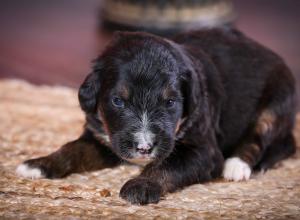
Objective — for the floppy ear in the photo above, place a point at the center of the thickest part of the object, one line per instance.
(196, 104)
(89, 90)
(203, 93)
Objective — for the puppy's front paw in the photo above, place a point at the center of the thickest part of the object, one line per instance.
(36, 168)
(141, 191)
(236, 169)
(27, 171)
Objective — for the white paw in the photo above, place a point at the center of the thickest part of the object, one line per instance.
(236, 169)
(25, 171)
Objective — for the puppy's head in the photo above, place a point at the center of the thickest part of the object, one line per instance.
(138, 90)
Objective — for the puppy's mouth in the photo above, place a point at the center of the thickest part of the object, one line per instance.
(141, 159)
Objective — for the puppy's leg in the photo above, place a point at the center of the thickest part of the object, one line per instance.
(83, 154)
(185, 166)
(269, 128)
(278, 150)
(249, 153)
(273, 124)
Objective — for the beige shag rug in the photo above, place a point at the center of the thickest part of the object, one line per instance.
(36, 120)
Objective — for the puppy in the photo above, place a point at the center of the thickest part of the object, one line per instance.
(189, 109)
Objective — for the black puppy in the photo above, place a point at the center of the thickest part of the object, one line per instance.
(180, 107)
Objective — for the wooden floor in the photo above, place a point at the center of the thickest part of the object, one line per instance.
(53, 41)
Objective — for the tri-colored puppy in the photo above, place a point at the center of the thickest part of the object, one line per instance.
(192, 108)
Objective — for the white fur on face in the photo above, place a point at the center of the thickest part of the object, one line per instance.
(144, 137)
(236, 169)
(25, 171)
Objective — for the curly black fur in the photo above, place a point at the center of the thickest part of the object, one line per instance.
(182, 106)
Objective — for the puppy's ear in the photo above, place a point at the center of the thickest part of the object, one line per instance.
(89, 90)
(188, 74)
(203, 93)
(196, 104)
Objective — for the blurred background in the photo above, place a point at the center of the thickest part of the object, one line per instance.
(53, 41)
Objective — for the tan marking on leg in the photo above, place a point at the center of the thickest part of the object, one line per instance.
(255, 148)
(265, 122)
(250, 153)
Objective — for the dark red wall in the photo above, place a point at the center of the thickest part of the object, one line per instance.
(53, 41)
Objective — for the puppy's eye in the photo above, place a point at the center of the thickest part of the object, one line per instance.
(117, 102)
(170, 103)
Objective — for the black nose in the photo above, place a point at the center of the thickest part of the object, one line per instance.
(144, 149)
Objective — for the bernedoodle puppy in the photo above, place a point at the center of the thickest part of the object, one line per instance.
(199, 106)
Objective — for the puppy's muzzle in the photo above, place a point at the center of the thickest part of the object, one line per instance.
(144, 149)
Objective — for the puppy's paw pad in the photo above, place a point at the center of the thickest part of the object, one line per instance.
(236, 169)
(26, 171)
(141, 191)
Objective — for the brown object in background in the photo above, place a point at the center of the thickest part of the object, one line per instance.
(166, 17)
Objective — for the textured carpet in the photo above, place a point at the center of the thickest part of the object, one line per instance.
(35, 121)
